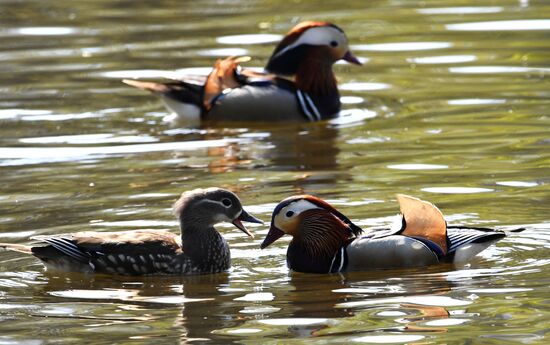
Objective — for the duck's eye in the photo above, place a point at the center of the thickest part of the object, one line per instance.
(333, 44)
(226, 202)
(289, 214)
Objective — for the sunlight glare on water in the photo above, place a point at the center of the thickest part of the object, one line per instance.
(451, 105)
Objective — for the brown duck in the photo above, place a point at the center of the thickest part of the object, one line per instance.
(200, 248)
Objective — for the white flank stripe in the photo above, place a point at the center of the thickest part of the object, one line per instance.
(313, 107)
(332, 262)
(341, 259)
(303, 105)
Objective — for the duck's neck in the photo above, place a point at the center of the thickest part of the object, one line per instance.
(319, 243)
(309, 67)
(301, 258)
(206, 248)
(315, 77)
(316, 254)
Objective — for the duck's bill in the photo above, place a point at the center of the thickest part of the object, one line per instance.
(245, 217)
(273, 235)
(349, 57)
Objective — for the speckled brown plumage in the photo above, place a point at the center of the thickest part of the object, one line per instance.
(200, 249)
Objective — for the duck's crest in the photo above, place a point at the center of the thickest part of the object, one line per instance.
(295, 33)
(286, 58)
(423, 219)
(355, 230)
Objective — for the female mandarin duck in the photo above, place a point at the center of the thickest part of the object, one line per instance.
(200, 249)
(298, 83)
(326, 241)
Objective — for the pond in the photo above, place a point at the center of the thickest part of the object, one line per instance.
(452, 105)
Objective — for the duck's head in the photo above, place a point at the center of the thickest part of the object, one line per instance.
(205, 207)
(310, 43)
(312, 220)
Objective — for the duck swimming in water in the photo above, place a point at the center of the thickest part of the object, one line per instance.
(326, 241)
(200, 248)
(297, 85)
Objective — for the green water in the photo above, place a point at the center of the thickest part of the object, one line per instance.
(451, 105)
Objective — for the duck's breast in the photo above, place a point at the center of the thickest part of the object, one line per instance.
(268, 103)
(388, 252)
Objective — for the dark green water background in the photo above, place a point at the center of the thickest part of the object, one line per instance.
(452, 105)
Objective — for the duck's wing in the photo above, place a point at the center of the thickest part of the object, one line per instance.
(126, 252)
(225, 75)
(466, 242)
(228, 74)
(386, 250)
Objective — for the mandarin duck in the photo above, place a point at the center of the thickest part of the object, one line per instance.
(326, 241)
(200, 248)
(298, 83)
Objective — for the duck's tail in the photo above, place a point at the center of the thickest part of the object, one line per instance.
(179, 90)
(16, 248)
(466, 242)
(180, 97)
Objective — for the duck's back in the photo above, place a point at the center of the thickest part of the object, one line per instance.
(269, 103)
(388, 252)
(127, 252)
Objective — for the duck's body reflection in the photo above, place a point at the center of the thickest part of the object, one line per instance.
(295, 147)
(210, 307)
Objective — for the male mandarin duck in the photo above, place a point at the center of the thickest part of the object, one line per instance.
(298, 83)
(200, 249)
(326, 241)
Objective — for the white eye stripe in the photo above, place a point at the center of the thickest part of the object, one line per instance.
(321, 35)
(214, 202)
(283, 222)
(221, 217)
(300, 206)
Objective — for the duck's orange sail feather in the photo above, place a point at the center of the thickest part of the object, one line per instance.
(423, 219)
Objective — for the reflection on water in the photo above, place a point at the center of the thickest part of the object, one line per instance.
(391, 305)
(504, 25)
(451, 105)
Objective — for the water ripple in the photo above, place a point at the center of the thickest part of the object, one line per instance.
(36, 155)
(355, 86)
(460, 10)
(402, 46)
(87, 139)
(249, 39)
(432, 300)
(497, 69)
(445, 59)
(388, 339)
(44, 31)
(223, 52)
(456, 190)
(475, 101)
(417, 166)
(502, 25)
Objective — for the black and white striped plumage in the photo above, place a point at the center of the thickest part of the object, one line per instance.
(326, 241)
(199, 249)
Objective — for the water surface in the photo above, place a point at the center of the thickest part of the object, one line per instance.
(451, 105)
